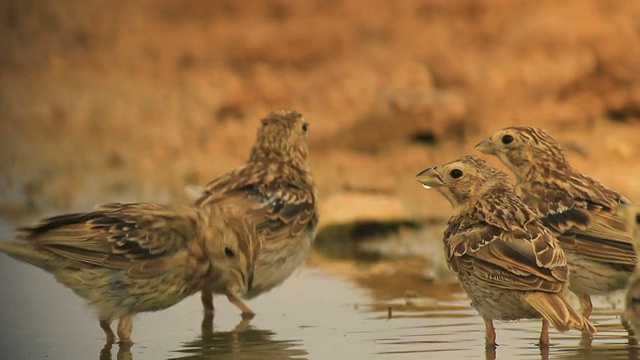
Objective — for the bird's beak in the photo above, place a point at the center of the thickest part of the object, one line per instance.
(250, 282)
(486, 146)
(429, 178)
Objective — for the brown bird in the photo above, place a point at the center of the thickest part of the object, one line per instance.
(130, 258)
(509, 264)
(632, 299)
(580, 211)
(275, 189)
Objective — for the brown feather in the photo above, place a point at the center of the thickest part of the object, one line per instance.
(129, 258)
(559, 312)
(276, 190)
(583, 213)
(510, 265)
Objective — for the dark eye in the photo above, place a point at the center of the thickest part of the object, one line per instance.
(507, 139)
(305, 127)
(455, 173)
(229, 252)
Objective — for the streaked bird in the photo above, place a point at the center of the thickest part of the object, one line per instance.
(124, 259)
(583, 213)
(275, 189)
(632, 297)
(508, 263)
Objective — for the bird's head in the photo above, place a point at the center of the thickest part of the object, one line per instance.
(282, 136)
(462, 179)
(525, 150)
(233, 251)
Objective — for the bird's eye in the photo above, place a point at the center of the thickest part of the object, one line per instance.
(507, 139)
(455, 173)
(229, 252)
(305, 127)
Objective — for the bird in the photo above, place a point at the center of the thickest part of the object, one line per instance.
(583, 213)
(124, 259)
(631, 312)
(509, 264)
(276, 190)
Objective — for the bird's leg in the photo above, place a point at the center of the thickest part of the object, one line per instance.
(206, 295)
(544, 334)
(125, 326)
(235, 300)
(490, 332)
(585, 305)
(242, 325)
(105, 325)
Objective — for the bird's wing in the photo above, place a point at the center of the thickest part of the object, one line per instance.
(132, 237)
(595, 233)
(585, 216)
(280, 203)
(527, 259)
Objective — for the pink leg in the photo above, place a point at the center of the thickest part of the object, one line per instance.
(206, 295)
(235, 300)
(106, 327)
(490, 332)
(125, 326)
(544, 334)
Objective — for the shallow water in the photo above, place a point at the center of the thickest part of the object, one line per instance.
(314, 315)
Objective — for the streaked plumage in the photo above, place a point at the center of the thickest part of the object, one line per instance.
(509, 264)
(130, 258)
(632, 298)
(580, 211)
(275, 189)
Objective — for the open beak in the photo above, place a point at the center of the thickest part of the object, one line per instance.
(250, 282)
(486, 146)
(429, 178)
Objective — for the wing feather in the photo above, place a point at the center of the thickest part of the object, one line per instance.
(133, 237)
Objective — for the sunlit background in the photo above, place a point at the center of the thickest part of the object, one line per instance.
(134, 100)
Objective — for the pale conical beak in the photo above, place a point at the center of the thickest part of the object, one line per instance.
(486, 146)
(429, 178)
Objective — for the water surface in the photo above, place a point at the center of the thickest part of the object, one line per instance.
(314, 315)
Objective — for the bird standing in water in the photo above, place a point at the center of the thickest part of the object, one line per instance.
(275, 189)
(583, 213)
(129, 258)
(509, 264)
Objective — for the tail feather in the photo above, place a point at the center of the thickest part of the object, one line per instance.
(28, 253)
(559, 312)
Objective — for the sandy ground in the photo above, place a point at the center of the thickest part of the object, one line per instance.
(132, 100)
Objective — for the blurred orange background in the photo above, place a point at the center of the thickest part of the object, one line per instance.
(132, 100)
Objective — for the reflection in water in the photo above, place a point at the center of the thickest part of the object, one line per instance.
(454, 330)
(312, 315)
(124, 352)
(244, 342)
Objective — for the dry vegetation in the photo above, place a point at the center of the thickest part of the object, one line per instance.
(131, 100)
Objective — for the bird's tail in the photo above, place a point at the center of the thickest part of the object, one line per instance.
(28, 253)
(559, 312)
